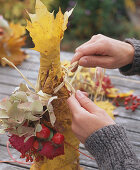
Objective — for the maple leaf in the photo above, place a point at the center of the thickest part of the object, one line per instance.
(11, 43)
(107, 106)
(18, 143)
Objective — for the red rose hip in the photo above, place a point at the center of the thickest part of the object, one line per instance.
(44, 133)
(58, 138)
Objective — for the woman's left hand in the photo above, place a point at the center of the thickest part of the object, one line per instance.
(87, 118)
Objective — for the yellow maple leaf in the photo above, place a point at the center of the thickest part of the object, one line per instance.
(107, 106)
(10, 46)
(17, 30)
(46, 30)
(113, 93)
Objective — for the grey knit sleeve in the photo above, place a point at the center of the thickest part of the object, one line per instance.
(134, 68)
(111, 149)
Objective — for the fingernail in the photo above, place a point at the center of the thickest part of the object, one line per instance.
(80, 94)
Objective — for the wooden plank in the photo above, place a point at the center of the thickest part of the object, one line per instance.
(2, 96)
(4, 156)
(87, 168)
(131, 125)
(122, 112)
(13, 81)
(5, 166)
(29, 66)
(7, 71)
(6, 89)
(125, 82)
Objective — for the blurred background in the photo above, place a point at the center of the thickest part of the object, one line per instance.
(114, 18)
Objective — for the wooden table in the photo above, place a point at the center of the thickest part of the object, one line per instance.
(10, 78)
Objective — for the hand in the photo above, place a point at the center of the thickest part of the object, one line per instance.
(104, 52)
(86, 116)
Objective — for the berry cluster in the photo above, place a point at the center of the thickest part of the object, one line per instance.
(132, 102)
(116, 100)
(47, 142)
(106, 83)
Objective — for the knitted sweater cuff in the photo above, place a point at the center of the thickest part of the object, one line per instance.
(134, 68)
(109, 146)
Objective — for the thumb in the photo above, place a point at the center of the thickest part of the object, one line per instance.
(85, 102)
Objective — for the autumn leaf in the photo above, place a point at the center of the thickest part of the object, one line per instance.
(11, 43)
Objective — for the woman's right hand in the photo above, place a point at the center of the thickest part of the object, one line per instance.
(104, 52)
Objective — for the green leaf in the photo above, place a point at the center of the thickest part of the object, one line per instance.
(51, 135)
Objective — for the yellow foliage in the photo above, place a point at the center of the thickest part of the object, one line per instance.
(107, 106)
(17, 30)
(11, 43)
(130, 4)
(45, 29)
(114, 93)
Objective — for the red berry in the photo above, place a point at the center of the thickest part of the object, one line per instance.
(117, 103)
(118, 96)
(30, 158)
(134, 97)
(44, 133)
(22, 156)
(58, 138)
(27, 159)
(36, 145)
(127, 99)
(127, 107)
(37, 159)
(133, 108)
(138, 100)
(125, 103)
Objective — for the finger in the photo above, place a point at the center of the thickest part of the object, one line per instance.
(85, 102)
(85, 93)
(96, 61)
(91, 49)
(86, 43)
(92, 40)
(76, 57)
(73, 104)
